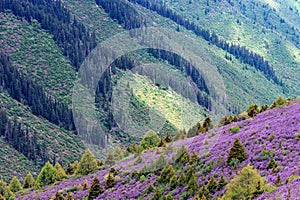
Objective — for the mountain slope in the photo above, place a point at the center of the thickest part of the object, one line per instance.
(271, 134)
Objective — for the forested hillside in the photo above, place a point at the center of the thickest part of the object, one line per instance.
(252, 46)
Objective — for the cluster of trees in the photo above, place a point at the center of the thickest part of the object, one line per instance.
(22, 139)
(240, 52)
(123, 13)
(73, 38)
(200, 129)
(190, 70)
(25, 90)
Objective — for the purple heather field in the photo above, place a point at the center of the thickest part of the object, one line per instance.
(255, 133)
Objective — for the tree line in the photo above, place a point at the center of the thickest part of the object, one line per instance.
(72, 37)
(22, 89)
(128, 21)
(22, 139)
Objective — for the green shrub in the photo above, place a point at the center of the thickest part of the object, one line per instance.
(237, 152)
(151, 139)
(29, 181)
(95, 189)
(15, 185)
(234, 129)
(46, 176)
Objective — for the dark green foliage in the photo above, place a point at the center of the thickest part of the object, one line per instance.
(278, 180)
(21, 88)
(15, 185)
(253, 110)
(73, 38)
(113, 171)
(46, 176)
(204, 192)
(29, 181)
(23, 140)
(192, 186)
(166, 174)
(111, 181)
(95, 189)
(5, 191)
(173, 182)
(237, 152)
(272, 164)
(264, 108)
(162, 143)
(157, 194)
(150, 189)
(168, 137)
(189, 174)
(87, 165)
(278, 102)
(258, 190)
(222, 182)
(182, 155)
(212, 185)
(58, 196)
(181, 181)
(194, 158)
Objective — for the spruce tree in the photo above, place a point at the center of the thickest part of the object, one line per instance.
(29, 181)
(278, 180)
(194, 158)
(272, 164)
(110, 182)
(95, 189)
(181, 180)
(237, 152)
(15, 185)
(182, 155)
(87, 165)
(258, 190)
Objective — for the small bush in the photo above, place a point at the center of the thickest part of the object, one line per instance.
(235, 129)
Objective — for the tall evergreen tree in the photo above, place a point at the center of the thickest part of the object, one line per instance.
(87, 165)
(237, 152)
(95, 189)
(15, 185)
(46, 176)
(29, 181)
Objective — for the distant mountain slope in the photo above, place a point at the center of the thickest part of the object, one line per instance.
(273, 134)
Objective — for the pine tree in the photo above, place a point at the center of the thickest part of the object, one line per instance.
(60, 173)
(192, 186)
(203, 192)
(15, 185)
(181, 180)
(46, 176)
(29, 181)
(194, 158)
(87, 165)
(278, 180)
(157, 194)
(71, 168)
(182, 155)
(272, 164)
(110, 182)
(212, 185)
(95, 189)
(190, 173)
(237, 152)
(166, 174)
